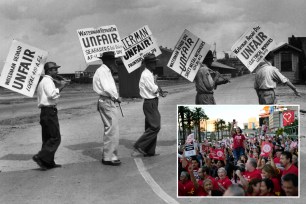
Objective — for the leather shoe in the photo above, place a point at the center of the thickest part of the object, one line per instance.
(151, 155)
(55, 166)
(138, 152)
(112, 163)
(39, 163)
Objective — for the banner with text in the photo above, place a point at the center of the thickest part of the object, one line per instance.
(253, 46)
(95, 41)
(188, 53)
(136, 46)
(22, 68)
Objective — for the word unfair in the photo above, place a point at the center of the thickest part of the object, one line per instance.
(23, 68)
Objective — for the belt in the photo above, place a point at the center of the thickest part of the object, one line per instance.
(271, 89)
(50, 106)
(149, 99)
(205, 93)
(105, 97)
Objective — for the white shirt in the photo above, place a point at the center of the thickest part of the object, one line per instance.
(147, 87)
(267, 77)
(103, 82)
(47, 93)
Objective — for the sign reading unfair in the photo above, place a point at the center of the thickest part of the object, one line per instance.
(95, 41)
(188, 53)
(23, 68)
(253, 46)
(136, 46)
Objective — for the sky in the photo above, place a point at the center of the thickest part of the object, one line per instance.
(241, 113)
(51, 25)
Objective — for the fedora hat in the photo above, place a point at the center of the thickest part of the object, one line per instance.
(107, 55)
(150, 58)
(50, 65)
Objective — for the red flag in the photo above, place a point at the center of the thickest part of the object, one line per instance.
(266, 148)
(219, 154)
(288, 117)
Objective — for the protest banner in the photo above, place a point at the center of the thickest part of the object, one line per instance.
(95, 41)
(288, 118)
(136, 46)
(22, 68)
(190, 146)
(188, 53)
(219, 154)
(253, 46)
(266, 148)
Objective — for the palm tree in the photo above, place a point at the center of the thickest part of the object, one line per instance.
(222, 122)
(217, 127)
(181, 119)
(198, 116)
(188, 116)
(184, 121)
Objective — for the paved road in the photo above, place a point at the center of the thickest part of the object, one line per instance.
(83, 179)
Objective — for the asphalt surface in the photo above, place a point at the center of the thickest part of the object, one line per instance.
(83, 179)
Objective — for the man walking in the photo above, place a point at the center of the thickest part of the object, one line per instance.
(146, 144)
(104, 85)
(47, 95)
(266, 78)
(206, 83)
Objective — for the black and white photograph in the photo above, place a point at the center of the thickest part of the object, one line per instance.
(90, 90)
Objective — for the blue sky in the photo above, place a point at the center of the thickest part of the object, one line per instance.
(51, 24)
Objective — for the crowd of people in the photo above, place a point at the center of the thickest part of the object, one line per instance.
(240, 166)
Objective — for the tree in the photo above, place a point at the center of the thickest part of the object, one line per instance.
(181, 119)
(222, 127)
(198, 115)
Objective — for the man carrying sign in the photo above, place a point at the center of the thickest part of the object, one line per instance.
(104, 84)
(146, 144)
(47, 95)
(266, 78)
(205, 83)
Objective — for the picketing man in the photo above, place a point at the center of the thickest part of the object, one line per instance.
(149, 91)
(206, 80)
(266, 79)
(47, 96)
(104, 85)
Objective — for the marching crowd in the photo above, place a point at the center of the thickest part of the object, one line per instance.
(240, 167)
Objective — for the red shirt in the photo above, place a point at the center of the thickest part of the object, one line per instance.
(276, 160)
(251, 175)
(291, 170)
(238, 140)
(186, 189)
(226, 182)
(277, 186)
(215, 183)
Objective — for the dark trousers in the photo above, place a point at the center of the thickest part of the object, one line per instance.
(266, 96)
(51, 137)
(147, 142)
(237, 153)
(202, 98)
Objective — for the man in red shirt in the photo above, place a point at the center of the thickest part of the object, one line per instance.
(250, 173)
(286, 162)
(185, 186)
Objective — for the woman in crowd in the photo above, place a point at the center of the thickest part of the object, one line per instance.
(254, 187)
(223, 181)
(266, 187)
(269, 172)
